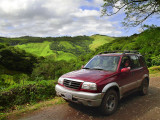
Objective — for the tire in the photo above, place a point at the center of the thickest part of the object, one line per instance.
(144, 87)
(109, 103)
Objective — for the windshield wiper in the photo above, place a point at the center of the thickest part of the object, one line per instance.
(97, 69)
(85, 68)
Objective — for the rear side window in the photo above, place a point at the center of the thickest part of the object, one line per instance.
(134, 62)
(142, 61)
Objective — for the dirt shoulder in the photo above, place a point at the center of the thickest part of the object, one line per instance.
(133, 107)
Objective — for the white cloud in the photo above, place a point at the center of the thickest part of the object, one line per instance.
(53, 18)
(86, 13)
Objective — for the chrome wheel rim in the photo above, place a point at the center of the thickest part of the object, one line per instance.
(110, 103)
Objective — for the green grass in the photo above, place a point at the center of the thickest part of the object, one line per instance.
(65, 56)
(154, 71)
(43, 49)
(66, 44)
(99, 40)
(39, 49)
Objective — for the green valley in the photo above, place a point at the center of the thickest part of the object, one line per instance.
(64, 48)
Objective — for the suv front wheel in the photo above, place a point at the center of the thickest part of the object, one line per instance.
(109, 103)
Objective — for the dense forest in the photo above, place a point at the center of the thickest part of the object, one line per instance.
(146, 43)
(27, 77)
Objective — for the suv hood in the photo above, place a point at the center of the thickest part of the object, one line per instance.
(88, 75)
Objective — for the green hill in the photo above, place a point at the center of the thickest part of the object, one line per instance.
(99, 40)
(39, 49)
(63, 48)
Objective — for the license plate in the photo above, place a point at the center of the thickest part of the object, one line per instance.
(68, 96)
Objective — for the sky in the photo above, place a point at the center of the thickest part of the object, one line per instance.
(52, 18)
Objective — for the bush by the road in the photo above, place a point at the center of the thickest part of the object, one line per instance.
(21, 94)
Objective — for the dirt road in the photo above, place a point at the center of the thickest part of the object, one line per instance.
(133, 107)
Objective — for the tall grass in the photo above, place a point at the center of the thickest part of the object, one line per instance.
(39, 49)
(99, 40)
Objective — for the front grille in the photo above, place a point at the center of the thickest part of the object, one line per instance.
(71, 84)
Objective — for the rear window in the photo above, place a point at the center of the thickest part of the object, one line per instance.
(135, 62)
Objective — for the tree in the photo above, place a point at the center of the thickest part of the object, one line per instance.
(136, 11)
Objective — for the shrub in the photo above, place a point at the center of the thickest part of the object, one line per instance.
(13, 58)
(50, 69)
(19, 94)
(155, 60)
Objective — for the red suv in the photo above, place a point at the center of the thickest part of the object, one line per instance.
(104, 80)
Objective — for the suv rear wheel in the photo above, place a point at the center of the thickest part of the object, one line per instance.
(109, 103)
(144, 87)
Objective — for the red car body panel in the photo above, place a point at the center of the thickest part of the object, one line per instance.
(100, 77)
(89, 75)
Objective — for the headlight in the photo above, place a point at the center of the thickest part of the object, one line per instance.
(60, 80)
(89, 86)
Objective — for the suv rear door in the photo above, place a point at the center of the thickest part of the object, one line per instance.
(136, 69)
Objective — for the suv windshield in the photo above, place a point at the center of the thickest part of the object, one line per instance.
(108, 63)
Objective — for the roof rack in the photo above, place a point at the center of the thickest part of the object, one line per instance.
(119, 51)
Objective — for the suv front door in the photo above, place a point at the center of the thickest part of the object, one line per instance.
(129, 81)
(125, 79)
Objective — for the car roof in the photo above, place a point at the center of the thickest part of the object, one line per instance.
(118, 54)
(110, 54)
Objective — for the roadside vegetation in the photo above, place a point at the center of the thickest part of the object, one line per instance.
(31, 66)
(154, 71)
(30, 107)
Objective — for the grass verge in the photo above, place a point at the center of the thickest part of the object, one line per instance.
(154, 71)
(27, 108)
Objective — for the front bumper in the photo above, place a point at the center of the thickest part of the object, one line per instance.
(86, 98)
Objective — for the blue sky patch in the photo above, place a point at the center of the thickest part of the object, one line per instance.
(89, 0)
(89, 8)
(10, 27)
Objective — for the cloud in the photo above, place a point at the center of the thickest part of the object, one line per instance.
(53, 18)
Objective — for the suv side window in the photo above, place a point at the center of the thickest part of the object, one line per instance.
(142, 61)
(134, 62)
(124, 60)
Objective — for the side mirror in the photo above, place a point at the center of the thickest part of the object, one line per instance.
(125, 70)
(82, 66)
